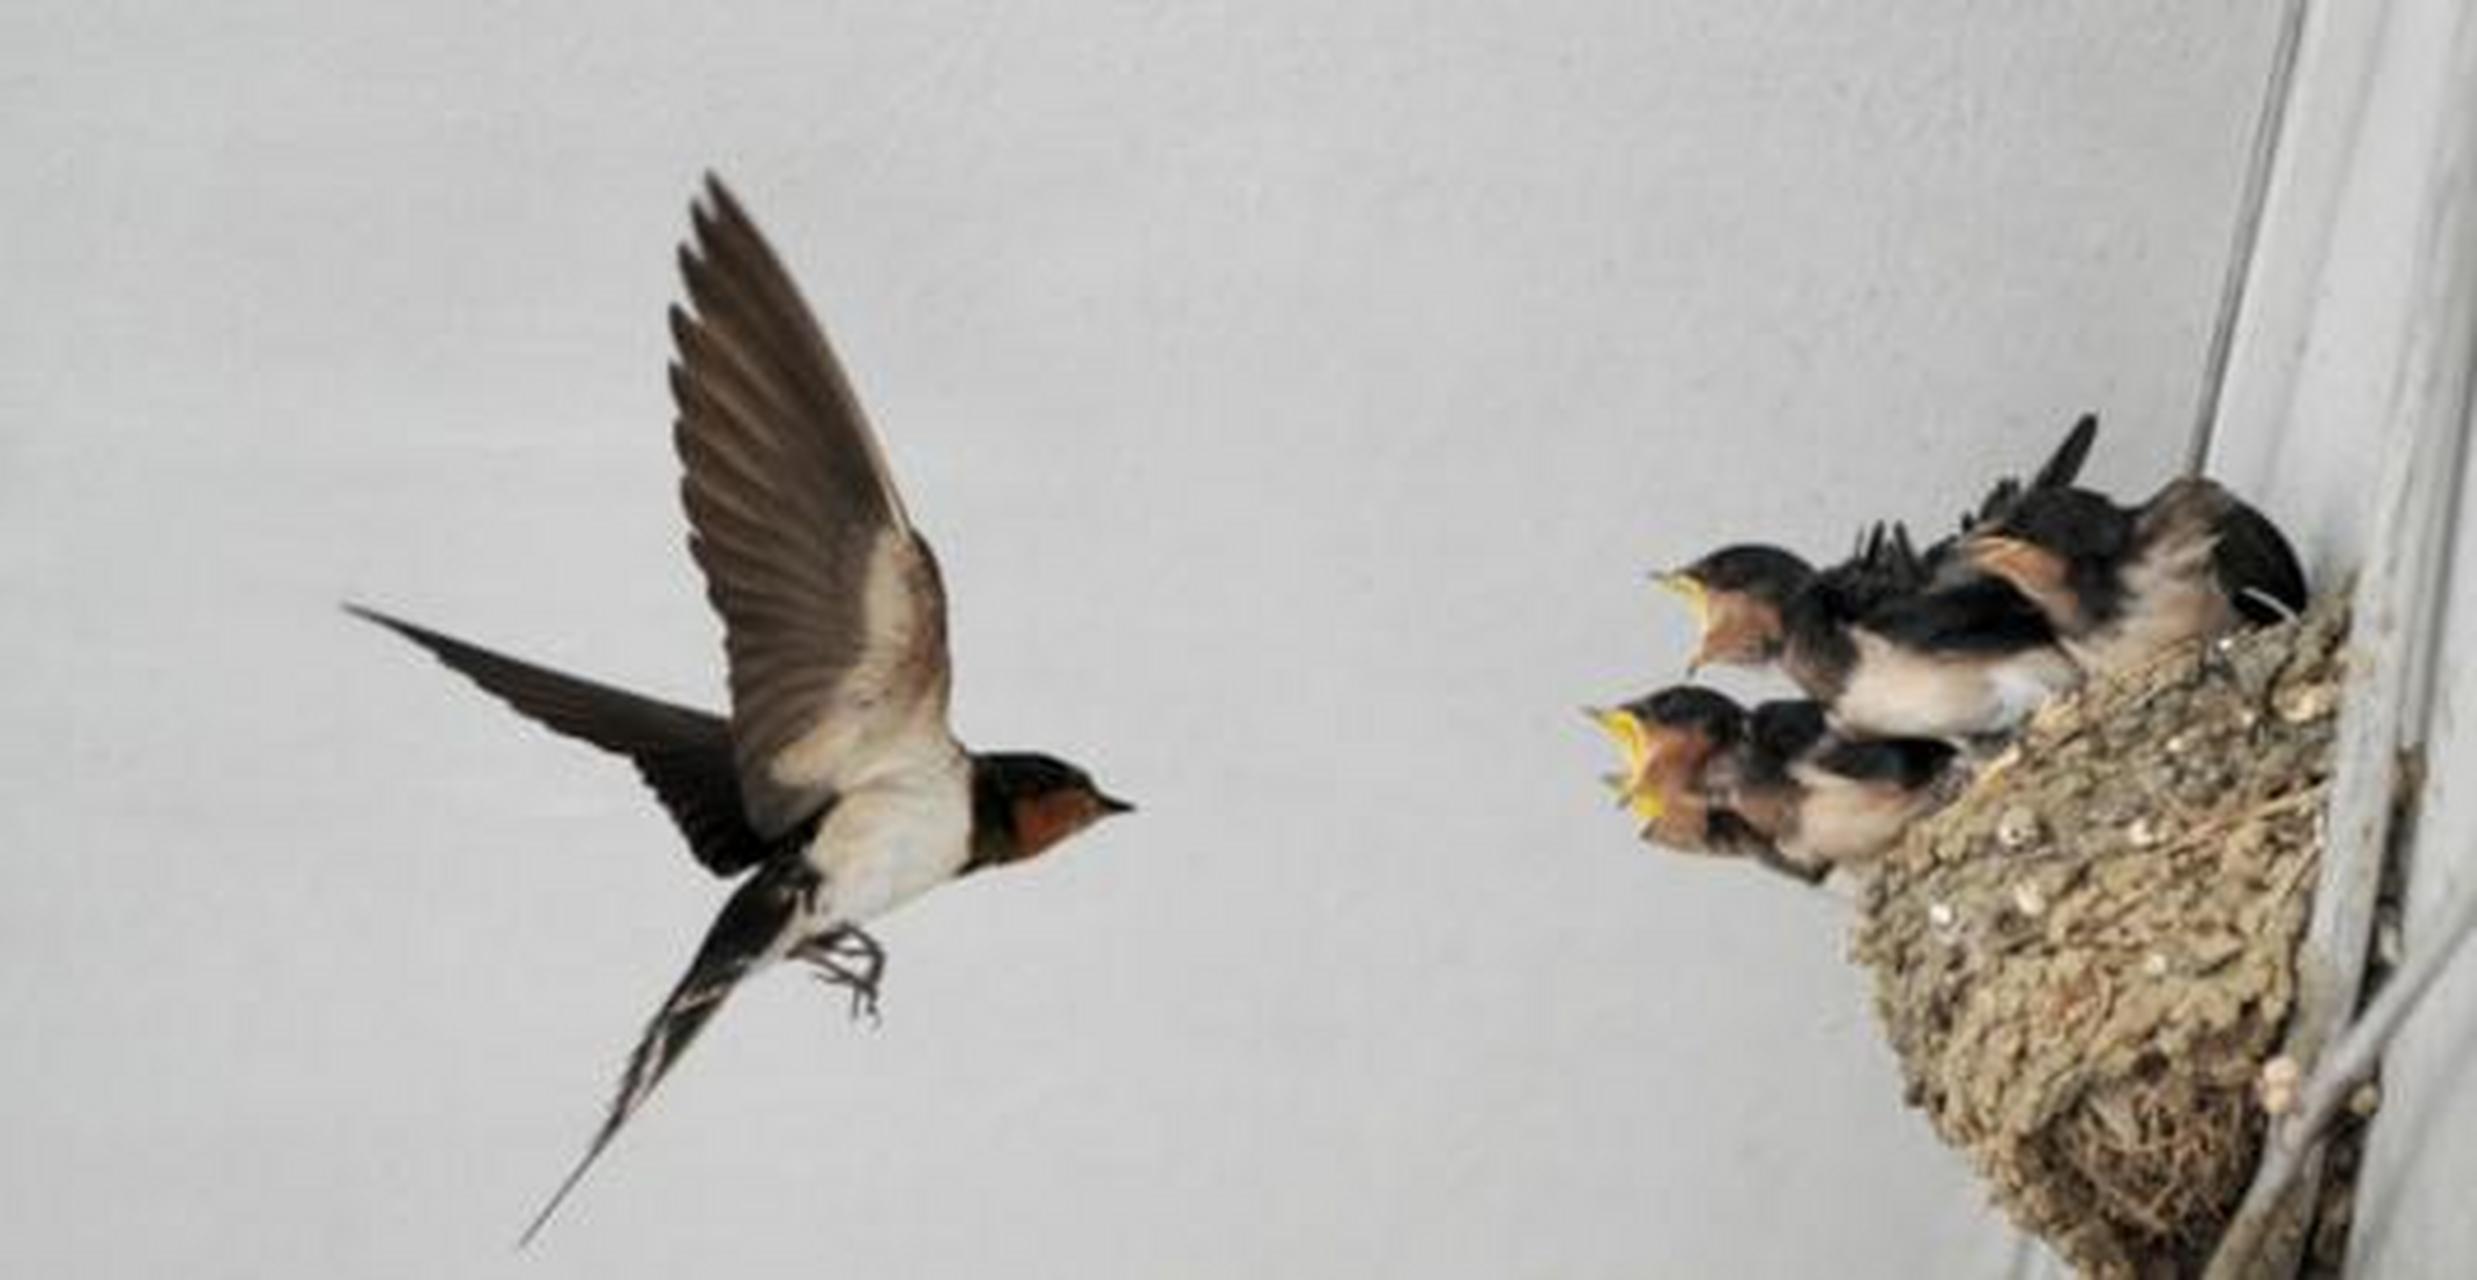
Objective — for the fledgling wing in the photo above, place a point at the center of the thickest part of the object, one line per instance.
(1906, 764)
(1976, 614)
(2060, 470)
(1786, 728)
(1880, 568)
(683, 754)
(2063, 467)
(753, 928)
(834, 617)
(2250, 561)
(2257, 568)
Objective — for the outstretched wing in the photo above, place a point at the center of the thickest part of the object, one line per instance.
(755, 927)
(834, 617)
(682, 753)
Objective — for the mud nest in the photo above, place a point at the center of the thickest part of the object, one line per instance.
(2085, 961)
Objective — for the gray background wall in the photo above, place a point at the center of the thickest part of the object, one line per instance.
(1296, 393)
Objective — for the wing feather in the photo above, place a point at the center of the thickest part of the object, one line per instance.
(833, 612)
(682, 753)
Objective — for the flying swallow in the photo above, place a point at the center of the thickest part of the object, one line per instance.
(2120, 584)
(835, 785)
(1891, 649)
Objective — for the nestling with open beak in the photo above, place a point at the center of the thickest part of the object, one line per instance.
(1887, 652)
(1775, 785)
(1664, 740)
(2121, 584)
(1737, 593)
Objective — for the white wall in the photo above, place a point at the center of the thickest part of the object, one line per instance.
(1296, 393)
(2358, 338)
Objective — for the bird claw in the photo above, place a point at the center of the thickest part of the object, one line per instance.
(862, 987)
(849, 958)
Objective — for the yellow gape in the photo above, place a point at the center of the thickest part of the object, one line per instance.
(1698, 602)
(1635, 788)
(1690, 589)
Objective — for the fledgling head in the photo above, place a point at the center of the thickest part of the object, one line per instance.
(1736, 594)
(1664, 739)
(1026, 802)
(2057, 547)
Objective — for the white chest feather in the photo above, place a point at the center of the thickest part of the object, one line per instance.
(888, 842)
(2171, 596)
(1903, 693)
(1841, 820)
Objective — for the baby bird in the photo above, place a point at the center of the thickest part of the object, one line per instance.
(1665, 739)
(2120, 585)
(1888, 652)
(1894, 641)
(1775, 785)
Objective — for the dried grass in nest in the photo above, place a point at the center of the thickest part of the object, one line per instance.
(2084, 962)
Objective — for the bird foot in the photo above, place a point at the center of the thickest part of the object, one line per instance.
(849, 958)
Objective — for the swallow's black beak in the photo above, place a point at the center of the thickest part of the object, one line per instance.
(1111, 804)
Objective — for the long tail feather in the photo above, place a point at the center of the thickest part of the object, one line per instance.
(753, 928)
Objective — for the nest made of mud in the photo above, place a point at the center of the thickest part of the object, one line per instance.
(2084, 962)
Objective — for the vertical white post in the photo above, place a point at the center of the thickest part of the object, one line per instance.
(2378, 362)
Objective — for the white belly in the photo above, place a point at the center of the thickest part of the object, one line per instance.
(1844, 821)
(1898, 692)
(2160, 613)
(888, 842)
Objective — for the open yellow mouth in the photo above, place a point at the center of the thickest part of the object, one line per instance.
(1698, 600)
(1689, 588)
(1634, 787)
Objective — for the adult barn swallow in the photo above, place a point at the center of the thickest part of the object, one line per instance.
(2120, 584)
(835, 784)
(1889, 651)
